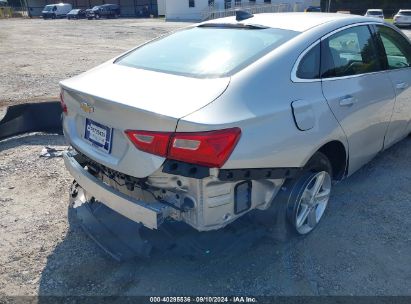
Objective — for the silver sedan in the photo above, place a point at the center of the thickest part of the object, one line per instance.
(243, 113)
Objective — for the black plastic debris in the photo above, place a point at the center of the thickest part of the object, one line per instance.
(31, 117)
(115, 234)
(124, 239)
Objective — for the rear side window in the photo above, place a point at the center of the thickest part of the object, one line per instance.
(212, 51)
(349, 52)
(397, 48)
(309, 67)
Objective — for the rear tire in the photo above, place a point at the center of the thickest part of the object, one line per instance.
(293, 211)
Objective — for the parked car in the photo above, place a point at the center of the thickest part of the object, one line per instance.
(238, 114)
(313, 9)
(403, 18)
(103, 11)
(76, 14)
(376, 13)
(58, 10)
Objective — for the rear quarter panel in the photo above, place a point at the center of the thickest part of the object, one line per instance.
(258, 100)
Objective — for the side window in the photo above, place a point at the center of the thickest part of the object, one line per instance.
(349, 52)
(397, 48)
(309, 67)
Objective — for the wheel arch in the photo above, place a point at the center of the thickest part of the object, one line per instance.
(337, 154)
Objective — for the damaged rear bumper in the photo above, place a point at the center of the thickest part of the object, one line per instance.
(150, 215)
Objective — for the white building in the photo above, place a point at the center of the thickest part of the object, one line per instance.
(161, 6)
(196, 10)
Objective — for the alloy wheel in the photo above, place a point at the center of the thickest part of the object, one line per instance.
(313, 202)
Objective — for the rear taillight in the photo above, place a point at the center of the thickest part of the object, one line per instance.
(63, 104)
(210, 149)
(150, 142)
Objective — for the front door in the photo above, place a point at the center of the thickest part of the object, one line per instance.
(397, 51)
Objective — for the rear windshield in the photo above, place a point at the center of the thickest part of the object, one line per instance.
(374, 13)
(405, 13)
(206, 52)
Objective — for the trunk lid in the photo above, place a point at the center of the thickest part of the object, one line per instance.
(111, 98)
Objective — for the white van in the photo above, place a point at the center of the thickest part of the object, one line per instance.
(58, 10)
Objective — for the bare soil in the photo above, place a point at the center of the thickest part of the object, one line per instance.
(36, 54)
(362, 246)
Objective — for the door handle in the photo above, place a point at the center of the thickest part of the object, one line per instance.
(347, 101)
(401, 86)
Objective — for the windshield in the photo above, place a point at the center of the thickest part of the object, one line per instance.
(408, 13)
(48, 8)
(207, 51)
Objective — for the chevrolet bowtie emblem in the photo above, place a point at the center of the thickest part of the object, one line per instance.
(86, 107)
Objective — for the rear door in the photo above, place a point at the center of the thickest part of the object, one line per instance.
(360, 95)
(397, 56)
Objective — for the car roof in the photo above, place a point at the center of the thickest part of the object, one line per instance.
(374, 10)
(58, 4)
(299, 22)
(405, 10)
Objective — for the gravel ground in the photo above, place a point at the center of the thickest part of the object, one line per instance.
(36, 54)
(362, 246)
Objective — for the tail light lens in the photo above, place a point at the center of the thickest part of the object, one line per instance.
(62, 103)
(211, 149)
(150, 142)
